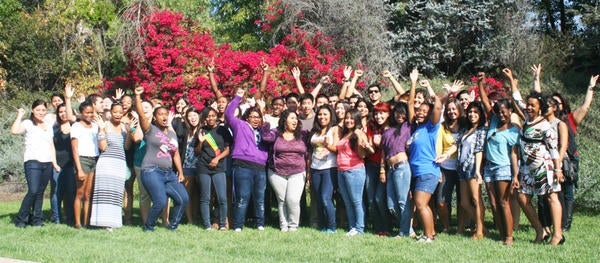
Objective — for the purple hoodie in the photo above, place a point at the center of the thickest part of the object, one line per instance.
(244, 143)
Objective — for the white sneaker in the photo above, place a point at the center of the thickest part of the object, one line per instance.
(238, 230)
(261, 228)
(285, 229)
(424, 239)
(352, 232)
(293, 229)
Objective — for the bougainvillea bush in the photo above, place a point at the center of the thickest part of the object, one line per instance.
(177, 51)
(491, 86)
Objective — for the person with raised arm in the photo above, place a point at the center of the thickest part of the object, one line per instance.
(398, 177)
(249, 157)
(499, 168)
(540, 173)
(111, 170)
(422, 155)
(397, 87)
(573, 119)
(39, 161)
(158, 176)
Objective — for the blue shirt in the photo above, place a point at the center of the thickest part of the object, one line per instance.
(499, 143)
(421, 150)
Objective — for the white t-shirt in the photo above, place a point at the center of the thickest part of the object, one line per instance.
(38, 142)
(87, 139)
(322, 158)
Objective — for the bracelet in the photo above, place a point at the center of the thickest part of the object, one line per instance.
(557, 170)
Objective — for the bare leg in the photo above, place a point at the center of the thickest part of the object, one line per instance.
(494, 204)
(503, 189)
(475, 190)
(525, 202)
(556, 211)
(422, 202)
(87, 197)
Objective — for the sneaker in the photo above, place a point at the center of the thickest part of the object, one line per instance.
(261, 228)
(352, 232)
(109, 229)
(208, 229)
(223, 229)
(238, 230)
(330, 231)
(293, 229)
(285, 229)
(424, 239)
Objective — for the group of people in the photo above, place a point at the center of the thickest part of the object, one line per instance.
(385, 163)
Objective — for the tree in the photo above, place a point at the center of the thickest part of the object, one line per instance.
(235, 23)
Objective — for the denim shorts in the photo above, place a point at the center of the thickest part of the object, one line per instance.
(495, 173)
(426, 183)
(88, 164)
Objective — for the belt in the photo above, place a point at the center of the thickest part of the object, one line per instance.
(398, 164)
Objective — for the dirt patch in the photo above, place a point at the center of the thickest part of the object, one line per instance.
(12, 191)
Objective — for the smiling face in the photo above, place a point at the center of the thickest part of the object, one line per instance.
(291, 104)
(452, 111)
(374, 94)
(56, 100)
(193, 118)
(419, 100)
(307, 107)
(62, 113)
(422, 113)
(211, 119)
(39, 112)
(254, 119)
(363, 109)
(126, 101)
(147, 107)
(532, 108)
(116, 113)
(340, 111)
(324, 117)
(464, 100)
(277, 107)
(180, 106)
(381, 117)
(87, 114)
(349, 122)
(504, 114)
(474, 116)
(333, 99)
(291, 122)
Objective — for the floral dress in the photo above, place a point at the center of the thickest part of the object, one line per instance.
(538, 145)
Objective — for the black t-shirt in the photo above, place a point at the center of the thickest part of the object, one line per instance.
(62, 147)
(215, 140)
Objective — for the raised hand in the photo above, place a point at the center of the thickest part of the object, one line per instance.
(171, 117)
(20, 112)
(425, 83)
(139, 90)
(593, 82)
(100, 122)
(240, 92)
(261, 103)
(296, 73)
(201, 136)
(118, 94)
(347, 72)
(211, 65)
(325, 80)
(508, 73)
(414, 76)
(537, 70)
(134, 121)
(386, 74)
(263, 65)
(69, 91)
(480, 78)
(358, 73)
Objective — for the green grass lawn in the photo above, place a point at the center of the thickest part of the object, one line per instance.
(60, 243)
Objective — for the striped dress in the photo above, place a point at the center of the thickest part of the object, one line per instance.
(109, 182)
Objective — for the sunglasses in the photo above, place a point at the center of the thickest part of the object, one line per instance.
(373, 91)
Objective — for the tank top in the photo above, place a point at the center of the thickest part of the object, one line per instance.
(347, 158)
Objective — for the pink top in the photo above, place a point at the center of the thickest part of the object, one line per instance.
(347, 158)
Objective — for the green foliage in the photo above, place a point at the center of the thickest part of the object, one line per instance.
(235, 23)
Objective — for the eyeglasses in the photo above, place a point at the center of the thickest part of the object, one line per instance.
(373, 91)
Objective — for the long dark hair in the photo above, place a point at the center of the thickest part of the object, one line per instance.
(566, 107)
(58, 120)
(332, 121)
(482, 119)
(401, 107)
(281, 127)
(187, 124)
(355, 114)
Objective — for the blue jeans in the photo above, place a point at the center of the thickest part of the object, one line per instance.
(37, 175)
(159, 183)
(398, 188)
(248, 184)
(322, 185)
(204, 184)
(352, 183)
(63, 191)
(377, 210)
